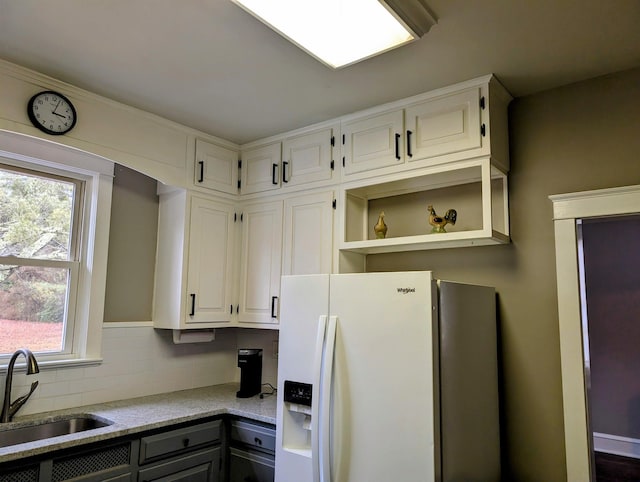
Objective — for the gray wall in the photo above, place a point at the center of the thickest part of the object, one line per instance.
(580, 137)
(132, 247)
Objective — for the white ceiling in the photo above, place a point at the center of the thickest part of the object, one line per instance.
(209, 65)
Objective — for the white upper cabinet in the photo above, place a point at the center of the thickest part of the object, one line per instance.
(211, 253)
(308, 233)
(444, 125)
(261, 168)
(308, 158)
(303, 159)
(216, 167)
(373, 142)
(194, 262)
(465, 121)
(260, 263)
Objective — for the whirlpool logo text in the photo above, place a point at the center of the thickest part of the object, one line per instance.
(404, 291)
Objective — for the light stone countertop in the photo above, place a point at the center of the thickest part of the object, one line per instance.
(141, 414)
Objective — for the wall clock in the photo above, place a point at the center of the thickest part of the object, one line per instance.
(52, 112)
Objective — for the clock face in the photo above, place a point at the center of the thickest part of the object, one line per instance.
(52, 113)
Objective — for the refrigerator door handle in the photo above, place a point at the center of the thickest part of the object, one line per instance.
(326, 390)
(315, 409)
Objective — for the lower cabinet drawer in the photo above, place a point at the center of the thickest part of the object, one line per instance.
(174, 441)
(247, 466)
(253, 435)
(201, 466)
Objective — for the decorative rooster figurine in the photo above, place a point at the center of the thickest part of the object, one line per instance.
(438, 222)
(380, 228)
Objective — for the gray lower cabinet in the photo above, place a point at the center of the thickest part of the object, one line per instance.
(186, 454)
(108, 462)
(251, 451)
(221, 450)
(29, 473)
(201, 466)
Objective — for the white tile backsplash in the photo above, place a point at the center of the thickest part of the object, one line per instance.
(137, 361)
(140, 361)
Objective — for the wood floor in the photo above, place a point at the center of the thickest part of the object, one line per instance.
(614, 468)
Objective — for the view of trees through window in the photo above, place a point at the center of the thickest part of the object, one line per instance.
(36, 217)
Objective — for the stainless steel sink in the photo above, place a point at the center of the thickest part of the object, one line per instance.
(22, 433)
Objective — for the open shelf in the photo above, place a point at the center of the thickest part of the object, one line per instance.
(476, 189)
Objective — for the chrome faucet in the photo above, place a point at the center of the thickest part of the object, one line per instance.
(9, 408)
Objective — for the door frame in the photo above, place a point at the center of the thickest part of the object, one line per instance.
(567, 209)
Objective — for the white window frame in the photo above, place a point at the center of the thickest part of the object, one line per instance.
(97, 174)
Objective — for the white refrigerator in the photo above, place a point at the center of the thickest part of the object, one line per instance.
(386, 377)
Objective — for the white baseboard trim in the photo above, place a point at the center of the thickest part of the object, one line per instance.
(616, 445)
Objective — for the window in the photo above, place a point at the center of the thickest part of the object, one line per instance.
(38, 259)
(54, 229)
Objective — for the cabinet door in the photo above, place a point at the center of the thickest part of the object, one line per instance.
(261, 170)
(308, 234)
(373, 142)
(260, 263)
(444, 125)
(202, 466)
(245, 466)
(210, 262)
(307, 158)
(216, 167)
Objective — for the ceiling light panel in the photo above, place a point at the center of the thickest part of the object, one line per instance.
(336, 32)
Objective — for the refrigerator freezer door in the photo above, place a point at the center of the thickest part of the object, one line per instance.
(382, 420)
(305, 302)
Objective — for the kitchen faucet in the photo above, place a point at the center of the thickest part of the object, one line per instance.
(9, 409)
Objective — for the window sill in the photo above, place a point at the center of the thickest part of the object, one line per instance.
(54, 364)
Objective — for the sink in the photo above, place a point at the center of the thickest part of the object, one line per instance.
(51, 428)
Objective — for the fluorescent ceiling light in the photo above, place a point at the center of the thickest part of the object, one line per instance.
(342, 32)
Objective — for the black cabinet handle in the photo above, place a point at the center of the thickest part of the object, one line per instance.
(273, 306)
(273, 174)
(409, 153)
(201, 164)
(398, 146)
(284, 171)
(193, 304)
(257, 441)
(185, 442)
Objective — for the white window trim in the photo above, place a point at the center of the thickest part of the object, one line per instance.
(27, 151)
(567, 209)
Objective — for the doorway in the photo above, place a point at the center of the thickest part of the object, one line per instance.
(609, 266)
(568, 210)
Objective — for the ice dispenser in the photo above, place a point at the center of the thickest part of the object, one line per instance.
(250, 363)
(297, 418)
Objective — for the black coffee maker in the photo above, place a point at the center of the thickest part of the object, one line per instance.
(250, 363)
